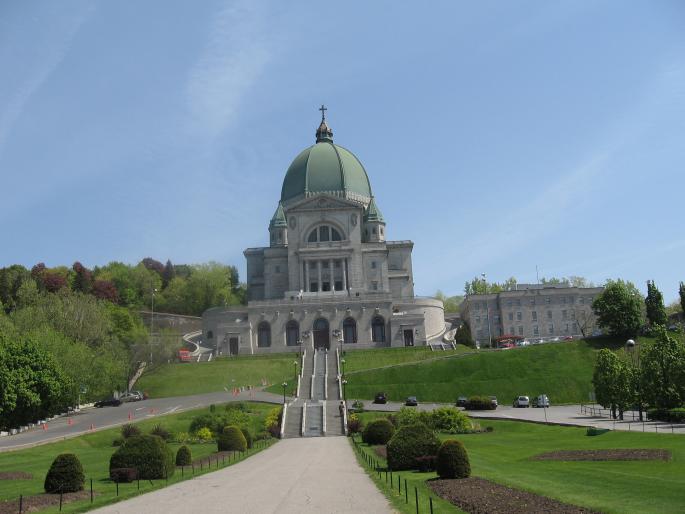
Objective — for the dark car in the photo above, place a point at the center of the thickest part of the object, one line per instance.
(411, 401)
(380, 398)
(462, 401)
(108, 402)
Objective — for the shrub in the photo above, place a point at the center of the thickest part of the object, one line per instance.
(240, 406)
(118, 441)
(123, 475)
(593, 431)
(129, 430)
(451, 420)
(354, 424)
(183, 456)
(204, 435)
(378, 432)
(162, 432)
(408, 443)
(202, 421)
(426, 463)
(212, 408)
(489, 429)
(479, 403)
(182, 437)
(149, 454)
(452, 460)
(248, 436)
(273, 421)
(234, 416)
(358, 406)
(408, 416)
(65, 475)
(230, 439)
(676, 415)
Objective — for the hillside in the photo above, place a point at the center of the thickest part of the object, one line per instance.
(563, 371)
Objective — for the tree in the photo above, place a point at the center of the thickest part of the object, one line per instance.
(482, 286)
(463, 335)
(663, 372)
(153, 265)
(83, 278)
(619, 308)
(656, 312)
(105, 290)
(450, 303)
(612, 381)
(681, 292)
(168, 274)
(53, 281)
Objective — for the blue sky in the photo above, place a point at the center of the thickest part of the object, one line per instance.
(497, 135)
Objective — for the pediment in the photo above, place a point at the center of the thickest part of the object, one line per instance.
(322, 202)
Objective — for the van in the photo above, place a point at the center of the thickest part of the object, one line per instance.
(541, 401)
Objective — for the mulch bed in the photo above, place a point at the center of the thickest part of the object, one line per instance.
(15, 475)
(480, 496)
(40, 502)
(605, 455)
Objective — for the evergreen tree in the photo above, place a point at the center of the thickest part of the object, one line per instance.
(463, 335)
(681, 290)
(168, 274)
(656, 311)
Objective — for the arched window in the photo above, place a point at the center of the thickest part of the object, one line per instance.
(323, 234)
(378, 329)
(264, 334)
(292, 333)
(349, 331)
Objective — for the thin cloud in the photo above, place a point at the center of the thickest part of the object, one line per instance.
(234, 57)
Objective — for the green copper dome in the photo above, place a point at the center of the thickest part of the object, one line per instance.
(326, 168)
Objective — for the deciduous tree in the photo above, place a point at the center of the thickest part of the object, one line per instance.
(654, 303)
(619, 308)
(663, 371)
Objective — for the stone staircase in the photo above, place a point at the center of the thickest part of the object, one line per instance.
(293, 420)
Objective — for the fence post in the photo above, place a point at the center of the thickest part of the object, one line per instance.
(139, 484)
(399, 485)
(21, 503)
(416, 496)
(60, 499)
(117, 482)
(91, 490)
(430, 500)
(406, 492)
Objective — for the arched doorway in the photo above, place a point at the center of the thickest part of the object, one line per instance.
(378, 329)
(292, 333)
(264, 335)
(321, 334)
(349, 331)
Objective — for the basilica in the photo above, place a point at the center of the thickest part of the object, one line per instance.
(328, 277)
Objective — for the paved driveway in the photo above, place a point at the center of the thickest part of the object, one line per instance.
(315, 474)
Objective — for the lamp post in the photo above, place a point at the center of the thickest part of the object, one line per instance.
(152, 321)
(487, 309)
(284, 384)
(634, 351)
(295, 364)
(344, 384)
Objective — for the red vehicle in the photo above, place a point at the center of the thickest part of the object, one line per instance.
(184, 356)
(506, 346)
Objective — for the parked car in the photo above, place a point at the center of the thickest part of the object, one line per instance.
(568, 338)
(462, 401)
(380, 398)
(130, 397)
(108, 402)
(541, 401)
(521, 401)
(506, 346)
(493, 402)
(523, 343)
(411, 401)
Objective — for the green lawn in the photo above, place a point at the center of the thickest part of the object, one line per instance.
(360, 360)
(638, 486)
(563, 371)
(182, 379)
(94, 451)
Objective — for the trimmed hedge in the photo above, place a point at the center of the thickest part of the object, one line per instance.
(249, 440)
(452, 460)
(123, 475)
(65, 475)
(231, 439)
(676, 415)
(409, 443)
(183, 456)
(378, 432)
(148, 454)
(479, 403)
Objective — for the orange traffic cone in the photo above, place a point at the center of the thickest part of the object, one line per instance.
(45, 426)
(129, 416)
(70, 422)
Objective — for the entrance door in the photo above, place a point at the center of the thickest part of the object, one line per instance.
(321, 334)
(233, 346)
(408, 337)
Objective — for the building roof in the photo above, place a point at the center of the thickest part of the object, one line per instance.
(326, 168)
(373, 213)
(278, 219)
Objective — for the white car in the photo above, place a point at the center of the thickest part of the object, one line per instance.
(521, 401)
(541, 401)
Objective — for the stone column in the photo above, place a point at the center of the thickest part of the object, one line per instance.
(318, 269)
(331, 273)
(301, 274)
(306, 275)
(343, 265)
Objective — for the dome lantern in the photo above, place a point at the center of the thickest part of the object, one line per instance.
(324, 133)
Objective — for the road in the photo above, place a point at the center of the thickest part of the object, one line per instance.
(91, 419)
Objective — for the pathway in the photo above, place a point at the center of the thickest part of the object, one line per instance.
(318, 474)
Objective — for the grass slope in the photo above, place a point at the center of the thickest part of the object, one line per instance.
(94, 451)
(638, 486)
(360, 360)
(182, 379)
(563, 371)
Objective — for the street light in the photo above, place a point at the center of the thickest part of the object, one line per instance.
(295, 364)
(152, 321)
(634, 351)
(284, 384)
(344, 384)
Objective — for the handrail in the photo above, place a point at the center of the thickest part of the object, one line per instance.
(304, 354)
(323, 416)
(311, 389)
(325, 377)
(344, 418)
(304, 417)
(285, 408)
(298, 385)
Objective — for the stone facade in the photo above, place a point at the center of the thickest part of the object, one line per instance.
(532, 311)
(328, 276)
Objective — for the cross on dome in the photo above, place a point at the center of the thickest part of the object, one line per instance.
(324, 133)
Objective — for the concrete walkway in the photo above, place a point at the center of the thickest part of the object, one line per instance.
(317, 474)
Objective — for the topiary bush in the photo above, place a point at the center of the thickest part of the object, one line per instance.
(230, 439)
(204, 435)
(408, 443)
(148, 454)
(452, 460)
(129, 430)
(183, 456)
(162, 432)
(450, 420)
(65, 475)
(248, 436)
(123, 475)
(426, 463)
(378, 431)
